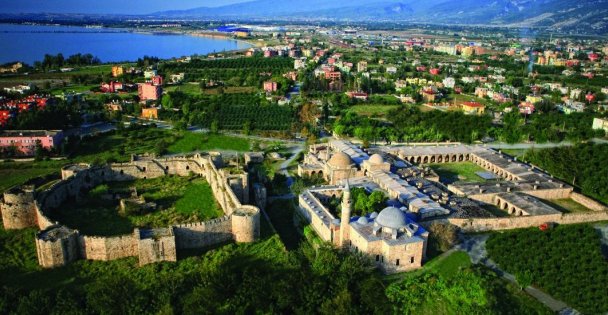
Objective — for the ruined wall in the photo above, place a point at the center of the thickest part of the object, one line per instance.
(588, 202)
(549, 194)
(203, 234)
(108, 248)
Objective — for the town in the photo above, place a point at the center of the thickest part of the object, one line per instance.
(331, 168)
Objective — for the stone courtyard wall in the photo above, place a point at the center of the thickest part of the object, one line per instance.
(108, 248)
(588, 202)
(203, 234)
(509, 223)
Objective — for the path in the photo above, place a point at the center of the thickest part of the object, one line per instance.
(295, 151)
(475, 246)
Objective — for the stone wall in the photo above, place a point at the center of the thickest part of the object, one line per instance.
(57, 251)
(509, 223)
(108, 248)
(203, 234)
(18, 209)
(588, 202)
(158, 246)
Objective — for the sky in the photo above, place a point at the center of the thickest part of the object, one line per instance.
(105, 6)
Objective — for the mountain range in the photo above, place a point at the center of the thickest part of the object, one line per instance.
(581, 16)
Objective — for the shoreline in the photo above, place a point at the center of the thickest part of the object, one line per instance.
(152, 32)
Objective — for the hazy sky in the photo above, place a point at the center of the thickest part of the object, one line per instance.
(105, 6)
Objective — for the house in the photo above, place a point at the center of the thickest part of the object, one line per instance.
(449, 82)
(362, 66)
(149, 74)
(149, 113)
(270, 86)
(357, 95)
(157, 80)
(117, 71)
(112, 87)
(25, 141)
(473, 108)
(149, 92)
(435, 71)
(600, 124)
(177, 78)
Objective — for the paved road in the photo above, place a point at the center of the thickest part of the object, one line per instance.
(475, 246)
(295, 151)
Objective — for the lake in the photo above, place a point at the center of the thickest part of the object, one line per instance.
(29, 43)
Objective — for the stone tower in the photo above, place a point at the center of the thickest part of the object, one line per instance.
(345, 215)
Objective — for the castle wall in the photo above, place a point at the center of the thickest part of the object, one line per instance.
(549, 194)
(108, 248)
(203, 234)
(157, 248)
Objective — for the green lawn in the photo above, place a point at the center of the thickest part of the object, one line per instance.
(373, 110)
(458, 172)
(189, 88)
(179, 200)
(202, 142)
(566, 205)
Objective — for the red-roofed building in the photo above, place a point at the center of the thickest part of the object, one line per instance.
(526, 108)
(157, 80)
(357, 95)
(111, 87)
(435, 71)
(270, 86)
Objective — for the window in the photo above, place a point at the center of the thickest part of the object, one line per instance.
(377, 257)
(411, 260)
(397, 262)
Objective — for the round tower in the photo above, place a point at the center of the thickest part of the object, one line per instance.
(345, 215)
(18, 208)
(246, 224)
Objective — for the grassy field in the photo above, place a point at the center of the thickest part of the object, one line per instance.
(458, 172)
(459, 98)
(189, 88)
(372, 110)
(12, 173)
(567, 205)
(179, 200)
(231, 90)
(201, 142)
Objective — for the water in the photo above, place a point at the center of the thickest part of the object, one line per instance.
(29, 43)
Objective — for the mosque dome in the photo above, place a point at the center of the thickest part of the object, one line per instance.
(340, 159)
(373, 215)
(376, 159)
(392, 217)
(362, 221)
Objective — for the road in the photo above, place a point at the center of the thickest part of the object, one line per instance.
(475, 246)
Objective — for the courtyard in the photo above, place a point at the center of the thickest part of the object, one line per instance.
(450, 173)
(160, 202)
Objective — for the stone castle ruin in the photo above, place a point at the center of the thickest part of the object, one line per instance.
(58, 245)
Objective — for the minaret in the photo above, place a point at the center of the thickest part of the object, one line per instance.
(345, 216)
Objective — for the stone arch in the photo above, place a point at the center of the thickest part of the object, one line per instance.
(505, 206)
(453, 158)
(313, 173)
(418, 160)
(440, 159)
(425, 160)
(143, 169)
(166, 167)
(187, 167)
(320, 173)
(433, 159)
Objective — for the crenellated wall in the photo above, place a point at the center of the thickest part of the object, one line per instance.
(58, 245)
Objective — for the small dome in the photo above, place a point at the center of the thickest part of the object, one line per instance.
(376, 159)
(362, 221)
(373, 215)
(340, 159)
(392, 217)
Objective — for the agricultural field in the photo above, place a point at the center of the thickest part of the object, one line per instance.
(566, 262)
(372, 110)
(190, 142)
(178, 200)
(458, 172)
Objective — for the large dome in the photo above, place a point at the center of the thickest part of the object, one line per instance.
(340, 159)
(376, 159)
(392, 217)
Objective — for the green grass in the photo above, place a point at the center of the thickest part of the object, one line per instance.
(189, 88)
(518, 153)
(179, 200)
(17, 173)
(202, 142)
(372, 110)
(467, 98)
(567, 205)
(458, 172)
